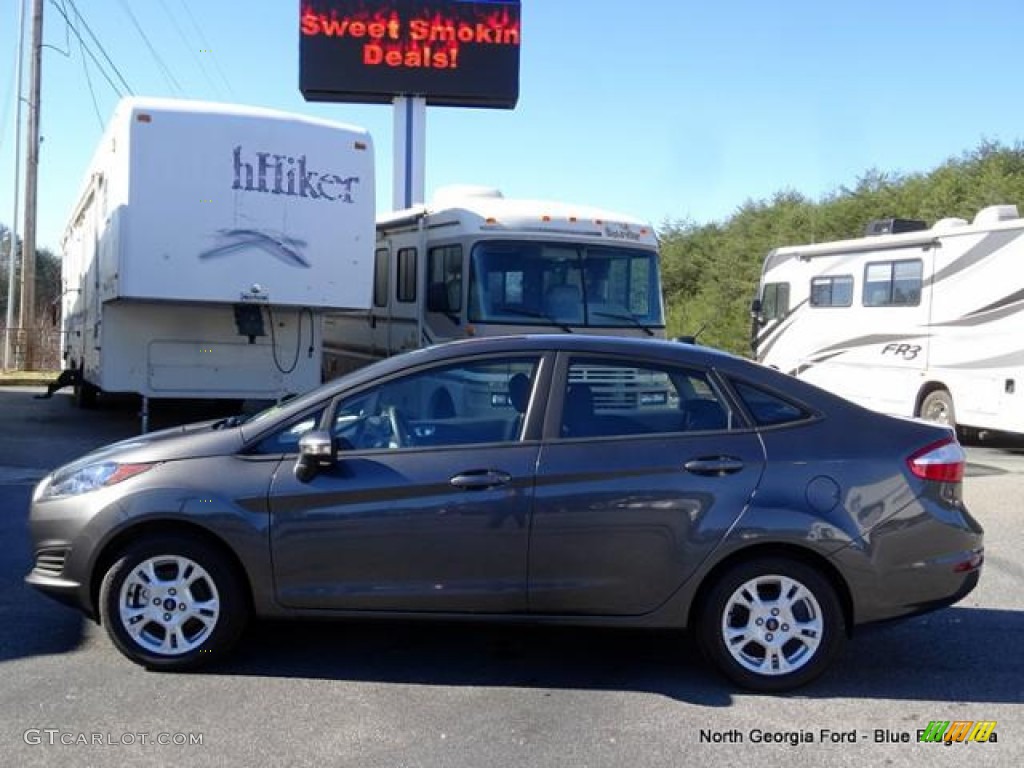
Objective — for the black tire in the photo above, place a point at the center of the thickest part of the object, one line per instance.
(937, 406)
(807, 631)
(201, 634)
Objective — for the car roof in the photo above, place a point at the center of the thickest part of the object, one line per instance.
(574, 342)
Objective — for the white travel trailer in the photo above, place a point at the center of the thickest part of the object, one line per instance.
(474, 263)
(913, 321)
(207, 244)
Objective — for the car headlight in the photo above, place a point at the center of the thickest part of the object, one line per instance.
(75, 480)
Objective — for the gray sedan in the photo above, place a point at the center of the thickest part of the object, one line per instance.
(564, 479)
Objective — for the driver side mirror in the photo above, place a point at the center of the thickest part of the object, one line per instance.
(316, 452)
(756, 309)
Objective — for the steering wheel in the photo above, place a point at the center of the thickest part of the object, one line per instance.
(399, 426)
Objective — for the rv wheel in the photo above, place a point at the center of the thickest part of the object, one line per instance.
(938, 406)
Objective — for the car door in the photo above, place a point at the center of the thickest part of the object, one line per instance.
(427, 506)
(644, 468)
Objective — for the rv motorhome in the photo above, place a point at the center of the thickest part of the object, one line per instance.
(474, 263)
(915, 321)
(207, 244)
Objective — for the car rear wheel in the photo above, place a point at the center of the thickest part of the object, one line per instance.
(172, 603)
(771, 624)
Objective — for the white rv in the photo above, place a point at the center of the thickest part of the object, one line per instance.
(914, 321)
(207, 244)
(474, 263)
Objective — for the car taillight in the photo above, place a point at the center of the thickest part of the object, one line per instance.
(943, 461)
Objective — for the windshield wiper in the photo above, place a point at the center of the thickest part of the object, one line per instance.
(229, 421)
(630, 318)
(536, 314)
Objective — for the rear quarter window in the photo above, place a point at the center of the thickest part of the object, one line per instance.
(768, 408)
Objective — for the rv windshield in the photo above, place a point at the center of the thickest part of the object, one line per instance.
(566, 284)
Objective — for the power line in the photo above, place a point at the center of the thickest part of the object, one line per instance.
(88, 50)
(189, 47)
(207, 47)
(81, 18)
(171, 80)
(88, 80)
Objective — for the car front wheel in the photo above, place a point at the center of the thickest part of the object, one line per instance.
(172, 603)
(771, 624)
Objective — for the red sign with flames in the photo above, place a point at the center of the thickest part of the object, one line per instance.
(455, 53)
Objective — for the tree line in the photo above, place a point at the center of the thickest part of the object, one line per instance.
(710, 271)
(48, 287)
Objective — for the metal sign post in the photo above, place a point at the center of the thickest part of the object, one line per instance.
(410, 132)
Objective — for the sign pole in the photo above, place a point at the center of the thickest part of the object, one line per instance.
(409, 151)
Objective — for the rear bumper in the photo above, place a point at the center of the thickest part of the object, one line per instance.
(919, 587)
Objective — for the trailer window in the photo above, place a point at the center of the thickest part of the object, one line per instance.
(893, 283)
(406, 287)
(832, 291)
(775, 300)
(380, 278)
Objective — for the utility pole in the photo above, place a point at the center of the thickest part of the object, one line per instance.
(28, 258)
(12, 263)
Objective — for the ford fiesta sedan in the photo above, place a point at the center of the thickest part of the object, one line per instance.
(564, 479)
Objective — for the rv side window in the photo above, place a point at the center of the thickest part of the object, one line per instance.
(444, 278)
(405, 290)
(775, 300)
(893, 283)
(832, 291)
(380, 278)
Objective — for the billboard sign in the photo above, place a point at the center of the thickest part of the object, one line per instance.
(452, 52)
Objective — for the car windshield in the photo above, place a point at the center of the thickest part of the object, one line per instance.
(544, 283)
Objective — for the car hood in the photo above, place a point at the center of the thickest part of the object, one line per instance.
(190, 441)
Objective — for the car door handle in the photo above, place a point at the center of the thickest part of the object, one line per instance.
(715, 466)
(478, 480)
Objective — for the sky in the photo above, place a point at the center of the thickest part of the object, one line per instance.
(668, 110)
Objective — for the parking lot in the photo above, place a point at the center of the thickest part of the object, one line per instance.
(408, 694)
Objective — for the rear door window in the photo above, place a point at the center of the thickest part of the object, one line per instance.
(609, 398)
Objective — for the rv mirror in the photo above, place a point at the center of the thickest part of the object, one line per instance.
(316, 452)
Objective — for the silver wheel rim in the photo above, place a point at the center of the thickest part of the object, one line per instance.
(772, 625)
(938, 411)
(169, 605)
